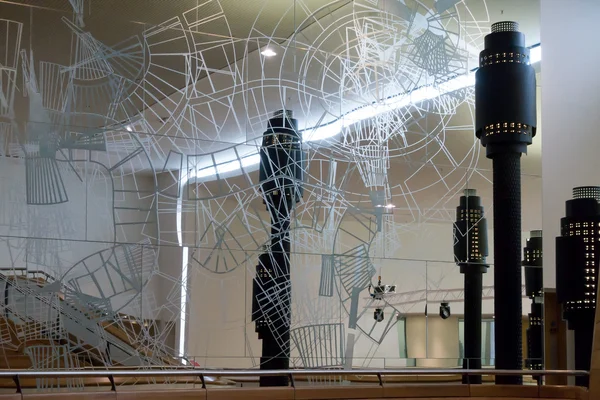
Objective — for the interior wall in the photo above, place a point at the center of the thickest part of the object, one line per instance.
(570, 95)
(433, 341)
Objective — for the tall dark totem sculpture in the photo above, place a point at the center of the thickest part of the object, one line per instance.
(577, 264)
(533, 263)
(470, 251)
(506, 123)
(281, 173)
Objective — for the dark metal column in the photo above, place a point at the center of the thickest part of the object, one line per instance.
(281, 174)
(506, 123)
(472, 360)
(533, 288)
(507, 262)
(470, 251)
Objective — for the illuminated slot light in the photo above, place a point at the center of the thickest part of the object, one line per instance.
(228, 166)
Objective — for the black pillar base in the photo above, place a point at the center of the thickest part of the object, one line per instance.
(276, 355)
(272, 364)
(584, 339)
(473, 289)
(507, 265)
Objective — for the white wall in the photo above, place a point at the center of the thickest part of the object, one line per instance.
(570, 99)
(433, 341)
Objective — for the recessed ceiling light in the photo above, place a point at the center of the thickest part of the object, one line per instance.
(268, 53)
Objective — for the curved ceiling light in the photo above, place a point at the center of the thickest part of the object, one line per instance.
(333, 128)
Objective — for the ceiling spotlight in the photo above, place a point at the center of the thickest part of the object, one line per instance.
(378, 314)
(128, 128)
(390, 206)
(268, 52)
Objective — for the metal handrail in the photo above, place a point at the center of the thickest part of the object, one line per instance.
(25, 271)
(296, 372)
(17, 375)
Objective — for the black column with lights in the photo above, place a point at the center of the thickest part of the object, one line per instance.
(506, 123)
(281, 174)
(470, 251)
(533, 263)
(577, 270)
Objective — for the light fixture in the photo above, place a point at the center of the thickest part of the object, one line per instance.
(390, 206)
(445, 310)
(268, 52)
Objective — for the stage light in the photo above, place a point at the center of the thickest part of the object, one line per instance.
(445, 310)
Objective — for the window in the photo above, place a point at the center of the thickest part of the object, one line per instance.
(488, 353)
(403, 351)
(403, 360)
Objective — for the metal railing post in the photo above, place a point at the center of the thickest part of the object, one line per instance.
(113, 387)
(17, 381)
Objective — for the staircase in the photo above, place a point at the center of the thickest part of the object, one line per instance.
(46, 324)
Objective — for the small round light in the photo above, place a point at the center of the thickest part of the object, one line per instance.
(268, 53)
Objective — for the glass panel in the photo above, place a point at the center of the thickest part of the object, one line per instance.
(488, 353)
(402, 349)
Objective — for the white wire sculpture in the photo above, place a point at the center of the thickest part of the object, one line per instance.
(149, 142)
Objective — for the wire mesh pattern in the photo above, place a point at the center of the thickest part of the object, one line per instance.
(131, 153)
(51, 358)
(321, 346)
